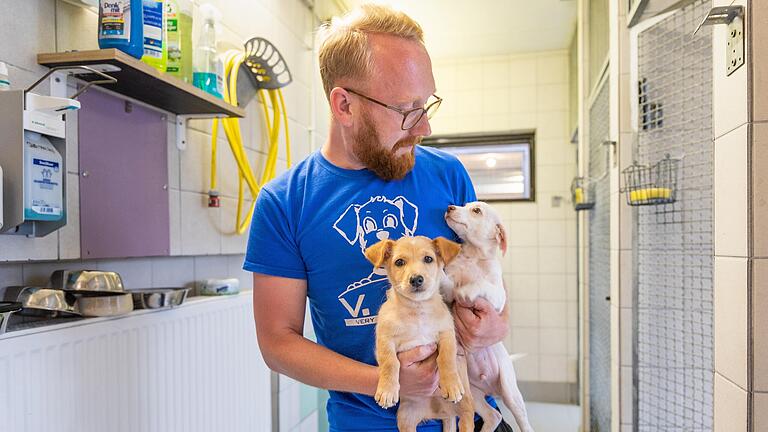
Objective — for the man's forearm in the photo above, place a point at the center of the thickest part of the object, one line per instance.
(315, 365)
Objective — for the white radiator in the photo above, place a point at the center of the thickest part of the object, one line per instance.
(194, 368)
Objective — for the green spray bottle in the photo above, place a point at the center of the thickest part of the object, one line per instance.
(178, 23)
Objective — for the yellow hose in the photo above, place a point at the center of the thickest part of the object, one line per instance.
(232, 61)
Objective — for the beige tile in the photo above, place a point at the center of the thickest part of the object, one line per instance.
(522, 260)
(552, 69)
(760, 324)
(522, 71)
(626, 414)
(552, 287)
(730, 309)
(522, 287)
(626, 335)
(759, 15)
(730, 188)
(524, 314)
(552, 260)
(626, 279)
(553, 315)
(729, 93)
(200, 225)
(231, 241)
(760, 411)
(759, 199)
(553, 368)
(525, 340)
(522, 233)
(552, 124)
(730, 406)
(174, 211)
(527, 368)
(552, 97)
(495, 74)
(553, 341)
(522, 99)
(551, 178)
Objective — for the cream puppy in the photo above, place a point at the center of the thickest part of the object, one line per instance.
(414, 314)
(476, 272)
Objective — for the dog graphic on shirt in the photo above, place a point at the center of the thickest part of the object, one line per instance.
(365, 225)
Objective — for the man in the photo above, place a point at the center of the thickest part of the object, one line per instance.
(370, 181)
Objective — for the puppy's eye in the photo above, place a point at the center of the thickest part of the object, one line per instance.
(428, 259)
(399, 262)
(477, 210)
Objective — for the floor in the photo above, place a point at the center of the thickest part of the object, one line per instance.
(547, 417)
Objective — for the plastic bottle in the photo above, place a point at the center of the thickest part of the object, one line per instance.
(155, 49)
(121, 26)
(209, 69)
(178, 22)
(5, 82)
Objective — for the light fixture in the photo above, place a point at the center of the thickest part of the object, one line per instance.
(490, 162)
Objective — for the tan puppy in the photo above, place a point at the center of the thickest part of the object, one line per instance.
(476, 272)
(415, 314)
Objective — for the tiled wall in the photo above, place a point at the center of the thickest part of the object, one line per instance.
(520, 92)
(202, 241)
(741, 318)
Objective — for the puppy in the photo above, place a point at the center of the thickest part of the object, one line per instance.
(474, 273)
(415, 314)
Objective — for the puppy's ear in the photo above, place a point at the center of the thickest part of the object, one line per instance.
(446, 249)
(379, 253)
(501, 237)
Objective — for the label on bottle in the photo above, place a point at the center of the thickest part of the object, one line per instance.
(153, 28)
(115, 19)
(174, 40)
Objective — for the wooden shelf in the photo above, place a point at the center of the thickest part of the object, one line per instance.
(144, 83)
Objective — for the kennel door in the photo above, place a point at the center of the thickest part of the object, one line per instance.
(673, 331)
(599, 264)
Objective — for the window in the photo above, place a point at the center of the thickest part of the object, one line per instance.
(500, 165)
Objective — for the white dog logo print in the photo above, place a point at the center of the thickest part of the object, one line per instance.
(364, 225)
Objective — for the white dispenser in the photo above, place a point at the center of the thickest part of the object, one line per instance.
(32, 154)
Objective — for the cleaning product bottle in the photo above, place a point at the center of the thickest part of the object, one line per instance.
(209, 69)
(5, 82)
(178, 23)
(43, 193)
(121, 26)
(155, 50)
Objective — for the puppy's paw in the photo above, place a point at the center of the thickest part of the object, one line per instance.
(451, 389)
(387, 395)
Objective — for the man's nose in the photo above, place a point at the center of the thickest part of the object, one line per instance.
(422, 127)
(417, 281)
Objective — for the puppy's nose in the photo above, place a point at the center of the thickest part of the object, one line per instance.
(451, 208)
(417, 281)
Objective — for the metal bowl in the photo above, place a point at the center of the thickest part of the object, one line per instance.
(157, 298)
(6, 309)
(104, 304)
(42, 301)
(87, 281)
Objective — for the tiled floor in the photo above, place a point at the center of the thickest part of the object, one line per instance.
(546, 417)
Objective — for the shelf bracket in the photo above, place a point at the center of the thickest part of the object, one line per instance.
(181, 126)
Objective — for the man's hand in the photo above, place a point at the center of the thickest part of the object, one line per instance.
(478, 325)
(418, 371)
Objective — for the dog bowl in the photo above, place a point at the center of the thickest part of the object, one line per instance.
(87, 281)
(6, 309)
(104, 304)
(42, 301)
(158, 298)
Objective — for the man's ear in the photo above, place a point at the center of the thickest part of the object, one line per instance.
(446, 249)
(501, 237)
(339, 100)
(380, 253)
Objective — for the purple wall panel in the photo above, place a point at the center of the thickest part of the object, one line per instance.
(123, 197)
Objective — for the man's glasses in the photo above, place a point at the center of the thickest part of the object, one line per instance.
(410, 117)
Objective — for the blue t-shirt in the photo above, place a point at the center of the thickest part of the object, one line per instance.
(314, 222)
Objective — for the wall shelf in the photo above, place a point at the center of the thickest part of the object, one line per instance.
(142, 82)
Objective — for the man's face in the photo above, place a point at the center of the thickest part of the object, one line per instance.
(402, 77)
(386, 161)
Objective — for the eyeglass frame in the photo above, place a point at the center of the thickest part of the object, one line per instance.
(404, 113)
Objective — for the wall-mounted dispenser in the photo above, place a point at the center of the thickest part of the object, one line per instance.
(33, 156)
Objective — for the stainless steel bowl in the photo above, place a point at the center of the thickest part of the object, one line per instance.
(6, 309)
(87, 281)
(42, 301)
(104, 304)
(156, 298)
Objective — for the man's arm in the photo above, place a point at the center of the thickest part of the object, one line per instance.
(278, 310)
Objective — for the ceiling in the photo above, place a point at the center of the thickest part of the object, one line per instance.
(463, 28)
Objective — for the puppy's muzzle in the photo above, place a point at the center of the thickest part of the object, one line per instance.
(417, 283)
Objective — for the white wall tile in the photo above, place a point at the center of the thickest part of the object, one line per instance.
(552, 69)
(135, 272)
(730, 184)
(522, 71)
(522, 233)
(553, 368)
(730, 305)
(173, 272)
(552, 97)
(552, 233)
(495, 74)
(553, 341)
(552, 287)
(199, 225)
(69, 235)
(522, 99)
(527, 368)
(522, 287)
(552, 260)
(522, 260)
(231, 242)
(730, 406)
(524, 340)
(553, 315)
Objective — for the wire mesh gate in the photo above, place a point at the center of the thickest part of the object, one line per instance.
(599, 266)
(673, 343)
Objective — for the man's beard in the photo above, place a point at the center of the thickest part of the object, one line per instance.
(383, 162)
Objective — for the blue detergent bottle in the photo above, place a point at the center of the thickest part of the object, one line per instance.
(121, 26)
